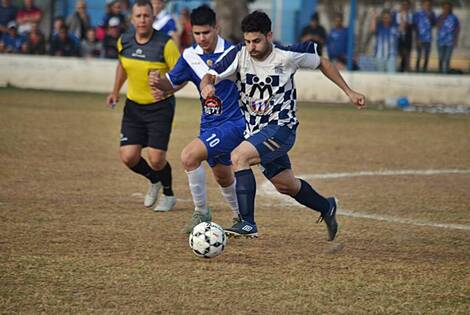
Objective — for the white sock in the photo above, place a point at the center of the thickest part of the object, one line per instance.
(230, 195)
(197, 186)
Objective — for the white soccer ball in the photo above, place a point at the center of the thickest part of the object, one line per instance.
(207, 240)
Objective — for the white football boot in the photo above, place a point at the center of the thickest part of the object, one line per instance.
(152, 194)
(165, 203)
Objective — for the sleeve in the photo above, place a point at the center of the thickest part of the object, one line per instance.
(171, 54)
(180, 73)
(171, 26)
(119, 47)
(304, 55)
(227, 64)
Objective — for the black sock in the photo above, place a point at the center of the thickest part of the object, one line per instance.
(246, 192)
(165, 176)
(145, 170)
(310, 198)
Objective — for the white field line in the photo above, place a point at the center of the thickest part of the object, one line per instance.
(267, 189)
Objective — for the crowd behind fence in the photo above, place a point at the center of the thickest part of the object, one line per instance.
(397, 33)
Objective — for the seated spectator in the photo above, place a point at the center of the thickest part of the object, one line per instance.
(79, 21)
(314, 32)
(423, 22)
(28, 15)
(386, 42)
(337, 41)
(403, 19)
(36, 42)
(91, 47)
(63, 44)
(186, 36)
(111, 38)
(7, 14)
(448, 29)
(12, 41)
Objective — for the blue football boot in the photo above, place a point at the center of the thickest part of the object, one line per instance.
(242, 228)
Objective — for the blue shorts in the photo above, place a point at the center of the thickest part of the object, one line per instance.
(272, 143)
(221, 140)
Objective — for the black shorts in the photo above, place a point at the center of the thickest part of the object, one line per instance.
(148, 125)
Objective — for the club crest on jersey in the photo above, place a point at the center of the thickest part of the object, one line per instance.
(209, 62)
(278, 69)
(263, 88)
(212, 106)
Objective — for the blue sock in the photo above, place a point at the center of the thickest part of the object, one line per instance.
(310, 198)
(246, 191)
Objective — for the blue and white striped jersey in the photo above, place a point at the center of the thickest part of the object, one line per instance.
(267, 89)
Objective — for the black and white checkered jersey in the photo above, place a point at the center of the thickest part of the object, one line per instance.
(267, 89)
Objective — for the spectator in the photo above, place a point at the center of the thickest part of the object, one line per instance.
(337, 41)
(448, 26)
(7, 14)
(36, 42)
(64, 44)
(79, 21)
(111, 38)
(186, 36)
(28, 15)
(91, 47)
(423, 22)
(114, 11)
(315, 32)
(386, 44)
(403, 19)
(12, 41)
(164, 22)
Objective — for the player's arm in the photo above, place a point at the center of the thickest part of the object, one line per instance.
(119, 79)
(207, 85)
(330, 71)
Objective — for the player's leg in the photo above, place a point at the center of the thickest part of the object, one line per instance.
(191, 157)
(133, 138)
(286, 183)
(224, 176)
(158, 120)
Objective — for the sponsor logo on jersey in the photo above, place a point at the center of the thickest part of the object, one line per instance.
(138, 53)
(213, 106)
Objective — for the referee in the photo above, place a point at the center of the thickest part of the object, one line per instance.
(148, 115)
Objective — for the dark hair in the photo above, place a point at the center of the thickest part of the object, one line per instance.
(143, 3)
(203, 15)
(256, 21)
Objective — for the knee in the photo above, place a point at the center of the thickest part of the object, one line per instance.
(157, 162)
(238, 159)
(130, 159)
(189, 160)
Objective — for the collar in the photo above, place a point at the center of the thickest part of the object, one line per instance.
(219, 48)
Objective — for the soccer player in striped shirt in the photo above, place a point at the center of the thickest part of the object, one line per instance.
(265, 77)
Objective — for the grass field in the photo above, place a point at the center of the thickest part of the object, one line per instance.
(75, 237)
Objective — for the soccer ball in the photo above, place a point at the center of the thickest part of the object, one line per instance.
(207, 240)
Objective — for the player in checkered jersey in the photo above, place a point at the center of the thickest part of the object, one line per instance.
(265, 77)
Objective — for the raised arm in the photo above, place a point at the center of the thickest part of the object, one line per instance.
(330, 71)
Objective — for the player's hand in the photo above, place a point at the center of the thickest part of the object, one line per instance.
(357, 99)
(154, 79)
(208, 91)
(112, 100)
(157, 94)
